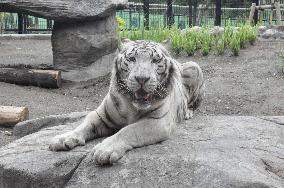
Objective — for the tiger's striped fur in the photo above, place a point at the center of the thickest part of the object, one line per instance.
(149, 92)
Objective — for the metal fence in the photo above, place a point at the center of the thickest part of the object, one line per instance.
(20, 23)
(155, 14)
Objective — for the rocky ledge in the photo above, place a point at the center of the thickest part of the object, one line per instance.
(65, 10)
(211, 151)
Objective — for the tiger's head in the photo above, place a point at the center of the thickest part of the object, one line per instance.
(143, 72)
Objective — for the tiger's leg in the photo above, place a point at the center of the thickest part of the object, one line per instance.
(92, 127)
(144, 132)
(194, 83)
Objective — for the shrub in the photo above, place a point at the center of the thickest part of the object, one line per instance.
(220, 45)
(194, 40)
(205, 41)
(177, 41)
(190, 42)
(235, 44)
(247, 33)
(2, 15)
(157, 35)
(252, 35)
(120, 22)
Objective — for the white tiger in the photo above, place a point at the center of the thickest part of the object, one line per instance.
(149, 92)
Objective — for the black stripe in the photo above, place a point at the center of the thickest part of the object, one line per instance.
(157, 108)
(116, 105)
(154, 109)
(158, 117)
(102, 121)
(125, 64)
(186, 76)
(108, 117)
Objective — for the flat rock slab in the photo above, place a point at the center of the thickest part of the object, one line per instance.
(65, 10)
(211, 151)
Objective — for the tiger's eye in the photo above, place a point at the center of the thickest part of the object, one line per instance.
(132, 59)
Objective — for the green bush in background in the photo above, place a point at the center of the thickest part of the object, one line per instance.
(191, 40)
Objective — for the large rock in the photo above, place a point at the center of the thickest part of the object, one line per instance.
(84, 50)
(84, 38)
(65, 10)
(211, 151)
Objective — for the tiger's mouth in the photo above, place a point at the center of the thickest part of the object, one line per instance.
(143, 97)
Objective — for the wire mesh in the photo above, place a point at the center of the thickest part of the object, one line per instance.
(184, 13)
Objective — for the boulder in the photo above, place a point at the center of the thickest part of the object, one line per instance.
(206, 151)
(84, 38)
(84, 50)
(269, 33)
(262, 29)
(31, 126)
(65, 10)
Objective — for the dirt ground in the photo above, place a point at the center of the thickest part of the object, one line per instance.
(250, 84)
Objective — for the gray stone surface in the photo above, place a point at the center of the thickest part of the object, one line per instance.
(65, 10)
(276, 32)
(84, 37)
(84, 46)
(207, 151)
(31, 126)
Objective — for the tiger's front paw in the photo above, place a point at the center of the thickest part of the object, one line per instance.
(110, 150)
(66, 141)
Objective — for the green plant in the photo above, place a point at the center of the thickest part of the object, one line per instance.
(190, 42)
(205, 41)
(252, 36)
(235, 44)
(176, 41)
(228, 33)
(2, 15)
(220, 45)
(120, 22)
(157, 35)
(247, 33)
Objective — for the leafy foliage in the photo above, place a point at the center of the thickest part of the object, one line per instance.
(203, 40)
(235, 44)
(176, 41)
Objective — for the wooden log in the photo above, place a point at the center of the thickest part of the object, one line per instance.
(278, 12)
(11, 115)
(40, 78)
(251, 14)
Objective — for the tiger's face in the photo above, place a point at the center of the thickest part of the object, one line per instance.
(143, 70)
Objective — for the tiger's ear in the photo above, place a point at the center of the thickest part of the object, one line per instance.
(123, 42)
(165, 46)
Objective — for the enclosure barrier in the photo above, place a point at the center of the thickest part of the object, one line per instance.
(159, 14)
(275, 4)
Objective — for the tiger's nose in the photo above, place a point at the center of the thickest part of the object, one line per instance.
(141, 79)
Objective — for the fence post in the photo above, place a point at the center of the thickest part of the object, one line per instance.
(218, 12)
(255, 16)
(26, 23)
(190, 12)
(195, 4)
(49, 24)
(170, 17)
(20, 23)
(146, 8)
